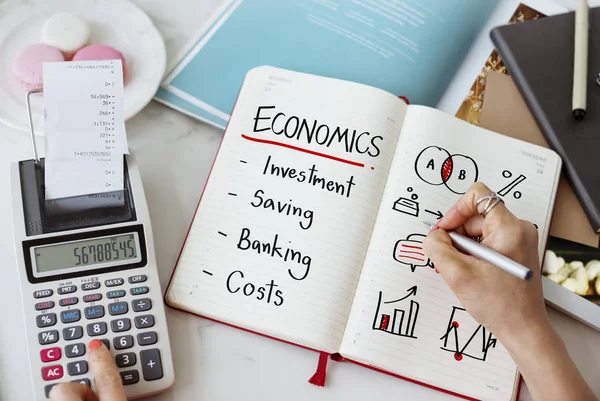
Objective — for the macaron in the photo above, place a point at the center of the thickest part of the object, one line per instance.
(27, 67)
(67, 32)
(100, 52)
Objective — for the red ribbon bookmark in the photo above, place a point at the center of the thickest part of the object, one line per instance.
(318, 379)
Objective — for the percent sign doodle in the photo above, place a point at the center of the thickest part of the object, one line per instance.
(513, 184)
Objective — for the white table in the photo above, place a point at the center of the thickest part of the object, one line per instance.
(212, 362)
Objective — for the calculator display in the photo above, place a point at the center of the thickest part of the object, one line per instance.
(87, 253)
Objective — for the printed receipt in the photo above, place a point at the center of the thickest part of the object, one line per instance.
(85, 128)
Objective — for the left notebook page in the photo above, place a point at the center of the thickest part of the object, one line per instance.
(279, 238)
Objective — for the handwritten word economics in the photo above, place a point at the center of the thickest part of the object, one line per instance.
(312, 131)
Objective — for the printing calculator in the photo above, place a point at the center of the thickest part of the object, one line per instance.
(88, 271)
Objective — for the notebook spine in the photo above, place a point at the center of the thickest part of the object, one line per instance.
(589, 207)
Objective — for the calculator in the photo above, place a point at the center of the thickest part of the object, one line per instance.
(88, 271)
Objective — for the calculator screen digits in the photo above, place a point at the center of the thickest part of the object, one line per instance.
(86, 253)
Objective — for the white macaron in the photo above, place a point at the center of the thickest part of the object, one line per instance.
(66, 31)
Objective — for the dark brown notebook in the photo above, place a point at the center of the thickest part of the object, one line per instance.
(539, 56)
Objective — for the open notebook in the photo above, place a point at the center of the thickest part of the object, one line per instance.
(309, 228)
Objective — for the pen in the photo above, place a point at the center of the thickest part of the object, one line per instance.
(486, 254)
(580, 66)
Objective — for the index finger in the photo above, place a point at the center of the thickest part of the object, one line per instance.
(466, 207)
(108, 380)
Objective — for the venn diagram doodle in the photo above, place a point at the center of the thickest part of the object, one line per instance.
(436, 166)
(409, 252)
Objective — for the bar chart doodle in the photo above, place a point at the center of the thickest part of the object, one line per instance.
(473, 341)
(397, 317)
(409, 252)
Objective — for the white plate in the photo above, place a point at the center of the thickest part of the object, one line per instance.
(117, 23)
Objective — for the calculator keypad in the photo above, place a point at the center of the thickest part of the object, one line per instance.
(133, 353)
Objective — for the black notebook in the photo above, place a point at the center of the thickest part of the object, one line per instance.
(539, 56)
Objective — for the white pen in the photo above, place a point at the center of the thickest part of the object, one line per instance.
(467, 245)
(580, 60)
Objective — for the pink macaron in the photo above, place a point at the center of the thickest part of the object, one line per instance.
(27, 67)
(100, 52)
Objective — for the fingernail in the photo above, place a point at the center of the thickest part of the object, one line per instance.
(434, 229)
(94, 344)
(436, 270)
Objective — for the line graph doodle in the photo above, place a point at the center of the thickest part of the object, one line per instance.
(436, 166)
(466, 341)
(397, 317)
(409, 252)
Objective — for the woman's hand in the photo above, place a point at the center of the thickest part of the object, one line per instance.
(107, 379)
(511, 308)
(501, 302)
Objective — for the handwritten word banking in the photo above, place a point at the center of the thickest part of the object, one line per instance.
(310, 177)
(315, 132)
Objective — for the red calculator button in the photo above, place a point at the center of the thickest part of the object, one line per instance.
(50, 354)
(52, 372)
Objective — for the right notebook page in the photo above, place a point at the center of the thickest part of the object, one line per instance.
(404, 318)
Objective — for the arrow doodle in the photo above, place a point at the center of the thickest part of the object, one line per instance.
(438, 214)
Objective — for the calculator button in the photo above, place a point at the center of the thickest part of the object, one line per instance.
(151, 364)
(75, 350)
(142, 322)
(52, 372)
(139, 290)
(70, 316)
(48, 388)
(77, 368)
(120, 325)
(147, 338)
(50, 354)
(43, 293)
(90, 286)
(72, 333)
(92, 297)
(67, 289)
(114, 282)
(118, 308)
(106, 343)
(123, 342)
(68, 301)
(48, 337)
(130, 377)
(94, 312)
(85, 382)
(140, 278)
(141, 305)
(126, 359)
(44, 305)
(115, 294)
(47, 320)
(96, 329)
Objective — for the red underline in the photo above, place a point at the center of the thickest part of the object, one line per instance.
(311, 152)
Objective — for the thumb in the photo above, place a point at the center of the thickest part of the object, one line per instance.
(453, 265)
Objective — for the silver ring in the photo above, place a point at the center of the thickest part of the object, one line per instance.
(492, 200)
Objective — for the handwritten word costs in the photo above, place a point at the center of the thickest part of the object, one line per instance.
(436, 166)
(274, 250)
(409, 252)
(238, 284)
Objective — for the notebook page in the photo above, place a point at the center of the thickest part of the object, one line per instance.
(300, 286)
(403, 313)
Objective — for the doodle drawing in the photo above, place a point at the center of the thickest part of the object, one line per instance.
(407, 206)
(463, 341)
(409, 251)
(436, 166)
(512, 185)
(397, 317)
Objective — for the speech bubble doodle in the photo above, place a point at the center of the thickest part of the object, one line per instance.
(409, 252)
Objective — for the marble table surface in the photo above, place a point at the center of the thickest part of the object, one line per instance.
(212, 361)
